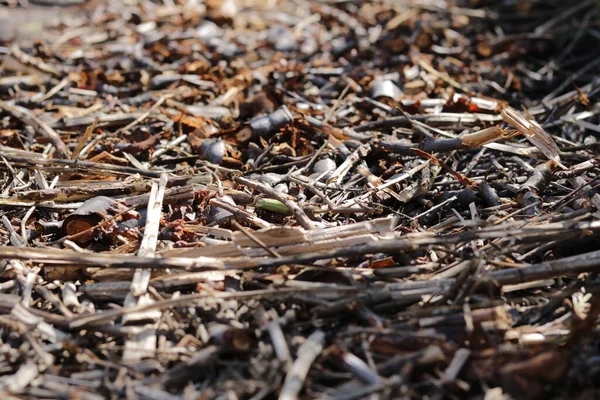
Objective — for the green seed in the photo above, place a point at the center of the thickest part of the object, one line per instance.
(272, 205)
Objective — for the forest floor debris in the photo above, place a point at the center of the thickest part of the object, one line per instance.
(299, 199)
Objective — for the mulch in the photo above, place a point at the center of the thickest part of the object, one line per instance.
(295, 199)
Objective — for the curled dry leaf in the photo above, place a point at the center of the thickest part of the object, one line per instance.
(93, 211)
(534, 133)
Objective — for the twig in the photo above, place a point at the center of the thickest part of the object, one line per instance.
(307, 353)
(139, 283)
(28, 118)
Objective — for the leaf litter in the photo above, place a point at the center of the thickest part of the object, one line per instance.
(299, 200)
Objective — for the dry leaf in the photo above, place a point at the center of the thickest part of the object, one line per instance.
(534, 133)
